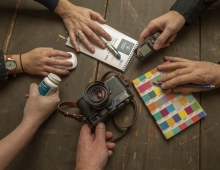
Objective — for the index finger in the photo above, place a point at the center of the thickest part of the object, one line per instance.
(144, 34)
(56, 53)
(85, 133)
(99, 30)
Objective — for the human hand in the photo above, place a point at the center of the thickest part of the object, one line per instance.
(169, 23)
(80, 24)
(188, 71)
(39, 62)
(38, 108)
(93, 150)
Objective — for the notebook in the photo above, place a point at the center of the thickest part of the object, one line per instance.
(173, 112)
(123, 43)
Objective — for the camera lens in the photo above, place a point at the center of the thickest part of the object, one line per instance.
(97, 94)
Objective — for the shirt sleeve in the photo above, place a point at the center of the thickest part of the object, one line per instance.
(3, 71)
(191, 9)
(50, 4)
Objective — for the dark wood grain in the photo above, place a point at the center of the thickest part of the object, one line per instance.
(210, 37)
(25, 25)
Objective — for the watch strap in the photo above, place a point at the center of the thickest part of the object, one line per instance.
(3, 70)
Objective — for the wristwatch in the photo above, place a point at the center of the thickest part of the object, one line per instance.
(11, 65)
(3, 71)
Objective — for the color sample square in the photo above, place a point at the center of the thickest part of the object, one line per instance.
(176, 130)
(170, 96)
(182, 126)
(152, 81)
(159, 76)
(164, 125)
(169, 134)
(201, 115)
(189, 97)
(182, 101)
(152, 107)
(164, 99)
(141, 78)
(146, 98)
(144, 87)
(164, 112)
(158, 91)
(176, 105)
(158, 103)
(195, 118)
(158, 116)
(148, 74)
(152, 94)
(183, 114)
(136, 81)
(189, 122)
(170, 121)
(176, 93)
(188, 110)
(195, 106)
(170, 108)
(177, 118)
(154, 71)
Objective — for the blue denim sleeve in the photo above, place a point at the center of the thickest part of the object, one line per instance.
(191, 9)
(50, 4)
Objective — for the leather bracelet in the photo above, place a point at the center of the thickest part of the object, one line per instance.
(3, 71)
(21, 64)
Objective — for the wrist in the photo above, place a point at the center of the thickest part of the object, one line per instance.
(178, 16)
(62, 7)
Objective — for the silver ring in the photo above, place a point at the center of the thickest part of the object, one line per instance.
(77, 34)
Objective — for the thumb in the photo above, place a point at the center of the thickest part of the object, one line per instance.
(33, 89)
(100, 132)
(161, 40)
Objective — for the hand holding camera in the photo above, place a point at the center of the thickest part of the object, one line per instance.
(102, 100)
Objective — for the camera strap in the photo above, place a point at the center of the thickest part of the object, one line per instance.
(79, 118)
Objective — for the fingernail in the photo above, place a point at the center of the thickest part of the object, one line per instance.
(101, 125)
(67, 73)
(70, 64)
(103, 45)
(158, 68)
(156, 47)
(70, 55)
(163, 86)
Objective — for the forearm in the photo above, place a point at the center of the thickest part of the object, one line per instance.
(12, 144)
(191, 9)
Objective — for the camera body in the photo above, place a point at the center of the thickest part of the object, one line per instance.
(146, 48)
(103, 99)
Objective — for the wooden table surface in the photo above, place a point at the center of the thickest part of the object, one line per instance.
(25, 25)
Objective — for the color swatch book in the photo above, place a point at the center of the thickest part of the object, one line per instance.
(123, 43)
(173, 112)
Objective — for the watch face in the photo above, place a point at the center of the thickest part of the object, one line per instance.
(10, 64)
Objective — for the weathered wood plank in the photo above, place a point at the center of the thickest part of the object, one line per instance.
(210, 38)
(144, 147)
(54, 146)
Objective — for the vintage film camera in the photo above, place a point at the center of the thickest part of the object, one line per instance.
(146, 48)
(101, 100)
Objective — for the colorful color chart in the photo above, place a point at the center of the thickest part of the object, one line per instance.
(172, 111)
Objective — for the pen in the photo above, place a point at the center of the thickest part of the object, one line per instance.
(209, 86)
(111, 48)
